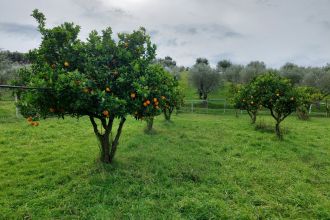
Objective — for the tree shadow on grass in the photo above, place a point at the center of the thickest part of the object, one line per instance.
(268, 128)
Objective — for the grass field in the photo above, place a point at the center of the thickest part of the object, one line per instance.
(198, 167)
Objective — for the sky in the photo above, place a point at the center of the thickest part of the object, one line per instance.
(273, 31)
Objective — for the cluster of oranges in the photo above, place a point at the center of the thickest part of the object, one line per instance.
(146, 103)
(31, 122)
(155, 103)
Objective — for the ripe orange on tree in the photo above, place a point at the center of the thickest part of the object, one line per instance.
(66, 64)
(155, 100)
(133, 95)
(107, 89)
(106, 113)
(148, 102)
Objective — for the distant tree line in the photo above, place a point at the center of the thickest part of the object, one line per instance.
(9, 63)
(318, 77)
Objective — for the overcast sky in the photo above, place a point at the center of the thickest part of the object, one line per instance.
(274, 31)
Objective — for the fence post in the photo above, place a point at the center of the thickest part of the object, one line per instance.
(224, 107)
(17, 110)
(207, 106)
(310, 109)
(327, 108)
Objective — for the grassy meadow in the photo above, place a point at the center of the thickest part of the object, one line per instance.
(197, 167)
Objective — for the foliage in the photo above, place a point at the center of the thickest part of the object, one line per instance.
(173, 98)
(204, 79)
(309, 95)
(155, 85)
(252, 70)
(292, 72)
(276, 94)
(7, 69)
(247, 98)
(95, 78)
(202, 60)
(222, 65)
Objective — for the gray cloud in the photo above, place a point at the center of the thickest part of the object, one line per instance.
(274, 31)
(23, 30)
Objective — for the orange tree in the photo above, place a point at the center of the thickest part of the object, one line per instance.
(246, 98)
(278, 95)
(309, 95)
(153, 86)
(99, 78)
(172, 98)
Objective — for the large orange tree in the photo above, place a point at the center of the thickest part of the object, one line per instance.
(100, 78)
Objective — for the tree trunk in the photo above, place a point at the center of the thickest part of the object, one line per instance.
(168, 113)
(150, 122)
(105, 148)
(254, 118)
(167, 116)
(108, 146)
(278, 130)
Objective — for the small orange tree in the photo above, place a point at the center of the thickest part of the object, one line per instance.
(100, 78)
(278, 95)
(247, 99)
(172, 98)
(153, 86)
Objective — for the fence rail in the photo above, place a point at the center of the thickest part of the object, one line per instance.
(211, 106)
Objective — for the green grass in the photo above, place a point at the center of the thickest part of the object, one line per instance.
(198, 167)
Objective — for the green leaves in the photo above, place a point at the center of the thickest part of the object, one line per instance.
(77, 72)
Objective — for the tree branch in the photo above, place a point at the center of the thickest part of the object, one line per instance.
(96, 131)
(120, 127)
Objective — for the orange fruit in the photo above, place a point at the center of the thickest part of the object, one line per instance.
(155, 100)
(145, 104)
(148, 102)
(107, 89)
(66, 64)
(156, 103)
(106, 113)
(133, 95)
(29, 119)
(163, 97)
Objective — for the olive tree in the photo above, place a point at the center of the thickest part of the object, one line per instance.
(251, 70)
(204, 78)
(292, 72)
(100, 78)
